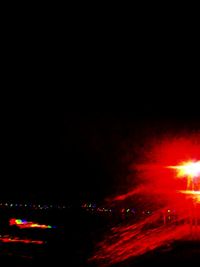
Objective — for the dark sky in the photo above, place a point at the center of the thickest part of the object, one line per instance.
(72, 156)
(98, 146)
(48, 153)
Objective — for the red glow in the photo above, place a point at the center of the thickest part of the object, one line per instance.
(7, 239)
(134, 240)
(157, 177)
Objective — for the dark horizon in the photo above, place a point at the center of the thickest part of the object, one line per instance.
(72, 156)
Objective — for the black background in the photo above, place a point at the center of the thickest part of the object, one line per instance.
(67, 156)
(75, 92)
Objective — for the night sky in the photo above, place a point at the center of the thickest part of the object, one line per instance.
(53, 154)
(77, 156)
(100, 146)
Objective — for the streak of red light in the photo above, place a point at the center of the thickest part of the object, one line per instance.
(6, 239)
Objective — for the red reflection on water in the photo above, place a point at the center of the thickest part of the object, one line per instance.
(7, 239)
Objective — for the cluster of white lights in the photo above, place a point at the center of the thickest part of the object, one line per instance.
(31, 206)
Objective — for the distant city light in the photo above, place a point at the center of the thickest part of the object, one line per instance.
(31, 206)
(26, 224)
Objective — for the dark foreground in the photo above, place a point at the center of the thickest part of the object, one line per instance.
(73, 242)
(182, 253)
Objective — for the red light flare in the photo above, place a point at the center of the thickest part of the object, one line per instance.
(8, 239)
(156, 174)
(152, 171)
(191, 170)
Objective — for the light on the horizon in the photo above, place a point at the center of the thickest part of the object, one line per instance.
(190, 168)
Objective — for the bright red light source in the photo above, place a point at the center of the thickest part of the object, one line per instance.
(175, 203)
(190, 168)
